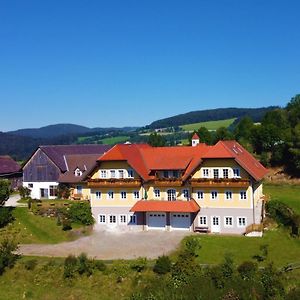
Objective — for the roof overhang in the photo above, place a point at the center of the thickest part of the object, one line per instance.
(166, 206)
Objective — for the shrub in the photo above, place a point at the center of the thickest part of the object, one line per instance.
(7, 255)
(162, 265)
(70, 266)
(84, 265)
(24, 191)
(4, 190)
(66, 223)
(192, 245)
(99, 265)
(280, 212)
(80, 212)
(5, 216)
(63, 191)
(247, 270)
(139, 264)
(30, 264)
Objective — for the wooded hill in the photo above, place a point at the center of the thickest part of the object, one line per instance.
(256, 114)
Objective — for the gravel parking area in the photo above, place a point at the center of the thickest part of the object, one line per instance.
(112, 245)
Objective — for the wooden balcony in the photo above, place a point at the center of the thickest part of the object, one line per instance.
(220, 182)
(114, 183)
(167, 182)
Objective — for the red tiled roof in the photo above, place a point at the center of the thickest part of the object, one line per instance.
(8, 165)
(165, 206)
(232, 149)
(195, 136)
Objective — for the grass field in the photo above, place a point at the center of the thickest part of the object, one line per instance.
(29, 228)
(288, 194)
(115, 140)
(210, 125)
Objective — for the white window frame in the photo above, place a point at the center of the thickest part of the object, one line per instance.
(218, 173)
(124, 217)
(111, 217)
(212, 195)
(103, 217)
(132, 219)
(172, 195)
(226, 194)
(236, 172)
(130, 173)
(123, 195)
(238, 221)
(110, 195)
(98, 195)
(121, 174)
(243, 195)
(228, 225)
(205, 173)
(156, 193)
(103, 174)
(136, 194)
(224, 171)
(200, 193)
(112, 173)
(204, 218)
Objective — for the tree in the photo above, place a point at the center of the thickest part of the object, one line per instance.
(293, 110)
(204, 135)
(156, 140)
(4, 191)
(223, 134)
(244, 129)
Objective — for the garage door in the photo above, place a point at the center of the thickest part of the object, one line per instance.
(180, 221)
(156, 220)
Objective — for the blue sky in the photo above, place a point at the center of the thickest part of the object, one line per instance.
(126, 63)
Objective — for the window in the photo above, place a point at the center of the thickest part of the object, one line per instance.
(79, 189)
(102, 219)
(136, 195)
(185, 194)
(166, 174)
(132, 219)
(98, 195)
(77, 172)
(241, 221)
(123, 219)
(53, 190)
(228, 195)
(130, 173)
(228, 221)
(112, 219)
(121, 173)
(205, 173)
(214, 195)
(200, 195)
(156, 193)
(225, 173)
(243, 195)
(103, 174)
(123, 195)
(110, 195)
(216, 173)
(175, 173)
(30, 185)
(236, 172)
(171, 195)
(113, 173)
(202, 220)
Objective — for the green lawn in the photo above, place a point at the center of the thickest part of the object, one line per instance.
(210, 125)
(29, 228)
(288, 194)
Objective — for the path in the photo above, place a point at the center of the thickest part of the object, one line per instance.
(112, 245)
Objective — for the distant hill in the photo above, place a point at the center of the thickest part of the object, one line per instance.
(211, 115)
(52, 131)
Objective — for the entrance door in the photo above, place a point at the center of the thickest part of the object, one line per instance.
(44, 193)
(215, 224)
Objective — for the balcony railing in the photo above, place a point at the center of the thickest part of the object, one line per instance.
(219, 182)
(114, 183)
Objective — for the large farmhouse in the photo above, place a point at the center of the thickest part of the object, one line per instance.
(208, 188)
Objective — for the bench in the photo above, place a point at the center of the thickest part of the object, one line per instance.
(203, 229)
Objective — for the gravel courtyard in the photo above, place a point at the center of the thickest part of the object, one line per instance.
(112, 245)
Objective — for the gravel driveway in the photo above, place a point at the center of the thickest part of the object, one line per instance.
(112, 245)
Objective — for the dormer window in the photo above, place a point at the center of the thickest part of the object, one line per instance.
(78, 172)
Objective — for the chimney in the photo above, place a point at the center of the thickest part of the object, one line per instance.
(195, 140)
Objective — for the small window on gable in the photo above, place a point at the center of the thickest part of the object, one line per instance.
(103, 173)
(175, 174)
(112, 174)
(205, 173)
(78, 172)
(236, 173)
(121, 173)
(216, 173)
(225, 173)
(166, 174)
(130, 173)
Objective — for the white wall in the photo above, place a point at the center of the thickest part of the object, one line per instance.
(35, 190)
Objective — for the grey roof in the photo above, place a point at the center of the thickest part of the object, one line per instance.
(57, 153)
